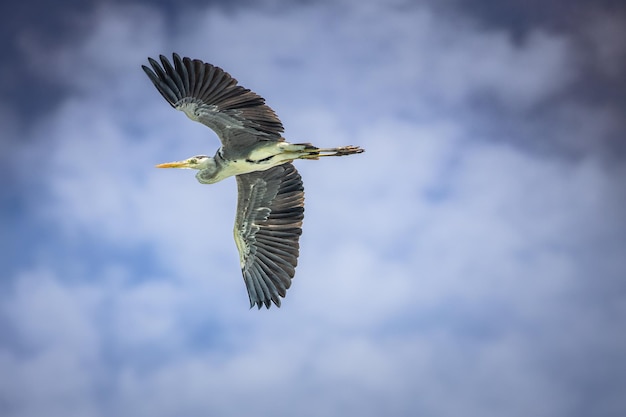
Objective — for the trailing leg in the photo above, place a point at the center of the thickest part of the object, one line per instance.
(312, 152)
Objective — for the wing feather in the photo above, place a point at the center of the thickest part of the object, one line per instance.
(195, 73)
(268, 226)
(208, 94)
(174, 76)
(181, 69)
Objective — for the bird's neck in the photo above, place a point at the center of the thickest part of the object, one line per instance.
(209, 171)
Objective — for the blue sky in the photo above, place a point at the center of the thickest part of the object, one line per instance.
(471, 262)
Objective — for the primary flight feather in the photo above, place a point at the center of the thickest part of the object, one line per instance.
(270, 205)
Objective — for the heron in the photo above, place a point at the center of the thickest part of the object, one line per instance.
(270, 201)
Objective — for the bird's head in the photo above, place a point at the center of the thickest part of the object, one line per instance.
(195, 162)
(206, 166)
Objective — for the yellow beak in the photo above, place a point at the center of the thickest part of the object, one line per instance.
(179, 164)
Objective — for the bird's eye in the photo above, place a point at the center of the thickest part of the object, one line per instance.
(193, 161)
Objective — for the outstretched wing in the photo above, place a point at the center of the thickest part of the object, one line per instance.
(268, 225)
(209, 95)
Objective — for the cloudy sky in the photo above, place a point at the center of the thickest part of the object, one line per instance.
(471, 262)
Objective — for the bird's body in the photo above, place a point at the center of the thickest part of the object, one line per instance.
(270, 206)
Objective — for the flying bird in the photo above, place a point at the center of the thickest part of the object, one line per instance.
(270, 206)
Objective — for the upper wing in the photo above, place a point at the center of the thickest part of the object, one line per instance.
(268, 225)
(209, 95)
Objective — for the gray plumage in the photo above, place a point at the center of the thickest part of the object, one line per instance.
(270, 210)
(209, 95)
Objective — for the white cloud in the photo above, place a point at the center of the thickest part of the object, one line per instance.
(54, 364)
(39, 302)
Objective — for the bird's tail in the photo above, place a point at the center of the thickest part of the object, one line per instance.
(312, 152)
